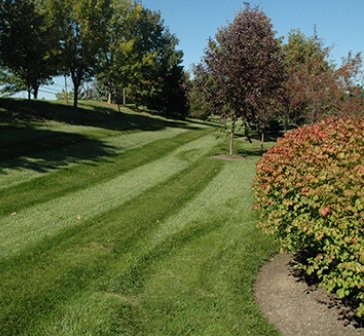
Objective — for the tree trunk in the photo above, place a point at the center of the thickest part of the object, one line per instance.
(75, 95)
(262, 140)
(109, 94)
(232, 133)
(65, 89)
(247, 133)
(285, 123)
(124, 97)
(29, 89)
(35, 91)
(76, 80)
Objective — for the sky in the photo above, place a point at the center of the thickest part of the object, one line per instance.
(340, 23)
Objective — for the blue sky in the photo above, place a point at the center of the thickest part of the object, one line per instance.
(340, 23)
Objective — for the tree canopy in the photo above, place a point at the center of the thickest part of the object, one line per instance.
(81, 27)
(27, 45)
(246, 66)
(315, 86)
(246, 72)
(119, 43)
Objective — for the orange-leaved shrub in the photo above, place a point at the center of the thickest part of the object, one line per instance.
(309, 190)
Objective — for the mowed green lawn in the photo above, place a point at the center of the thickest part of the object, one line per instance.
(118, 223)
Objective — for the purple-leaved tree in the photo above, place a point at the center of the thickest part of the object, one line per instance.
(245, 63)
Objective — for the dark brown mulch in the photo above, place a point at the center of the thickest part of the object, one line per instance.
(296, 308)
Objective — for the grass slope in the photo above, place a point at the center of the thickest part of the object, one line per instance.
(141, 235)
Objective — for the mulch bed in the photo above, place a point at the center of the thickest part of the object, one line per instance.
(298, 309)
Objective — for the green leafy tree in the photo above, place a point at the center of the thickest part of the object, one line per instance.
(146, 32)
(82, 29)
(201, 93)
(64, 96)
(177, 91)
(171, 98)
(117, 55)
(140, 56)
(10, 83)
(197, 103)
(156, 77)
(27, 46)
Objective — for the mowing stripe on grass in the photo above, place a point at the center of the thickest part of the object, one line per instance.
(87, 151)
(85, 175)
(212, 207)
(126, 232)
(34, 223)
(31, 286)
(189, 275)
(203, 286)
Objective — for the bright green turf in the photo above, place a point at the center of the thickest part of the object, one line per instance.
(121, 224)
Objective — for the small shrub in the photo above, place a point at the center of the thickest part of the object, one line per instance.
(309, 189)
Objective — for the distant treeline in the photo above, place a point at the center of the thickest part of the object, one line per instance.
(249, 74)
(118, 44)
(123, 48)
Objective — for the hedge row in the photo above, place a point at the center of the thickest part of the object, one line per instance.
(309, 189)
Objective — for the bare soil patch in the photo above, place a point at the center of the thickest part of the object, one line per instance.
(296, 308)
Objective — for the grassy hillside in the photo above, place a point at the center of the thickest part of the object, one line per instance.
(119, 223)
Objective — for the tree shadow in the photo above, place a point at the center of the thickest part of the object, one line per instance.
(25, 147)
(268, 136)
(252, 149)
(165, 114)
(204, 123)
(146, 121)
(248, 152)
(86, 115)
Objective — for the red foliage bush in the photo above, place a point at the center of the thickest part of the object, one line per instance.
(310, 191)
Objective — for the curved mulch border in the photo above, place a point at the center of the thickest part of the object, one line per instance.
(295, 308)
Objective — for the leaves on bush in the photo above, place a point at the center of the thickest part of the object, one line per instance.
(310, 192)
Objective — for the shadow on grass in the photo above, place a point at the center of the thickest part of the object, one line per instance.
(247, 152)
(244, 148)
(86, 115)
(44, 150)
(269, 136)
(165, 114)
(24, 145)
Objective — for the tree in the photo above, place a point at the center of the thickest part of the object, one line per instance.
(82, 28)
(349, 77)
(315, 87)
(116, 57)
(310, 83)
(245, 62)
(154, 71)
(10, 83)
(201, 93)
(171, 99)
(64, 96)
(27, 45)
